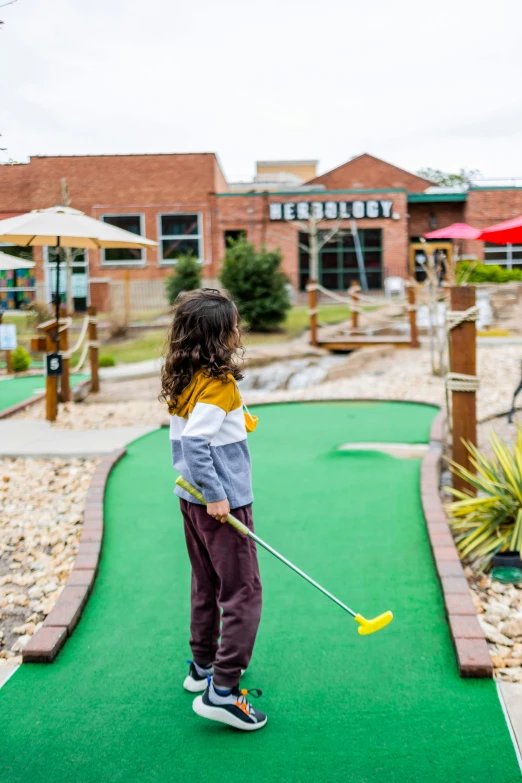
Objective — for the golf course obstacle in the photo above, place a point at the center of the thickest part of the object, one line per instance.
(462, 380)
(398, 331)
(54, 342)
(111, 705)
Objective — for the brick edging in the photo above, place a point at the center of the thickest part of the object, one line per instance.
(21, 405)
(59, 624)
(80, 387)
(468, 638)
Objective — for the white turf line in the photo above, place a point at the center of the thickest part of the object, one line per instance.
(509, 725)
(14, 668)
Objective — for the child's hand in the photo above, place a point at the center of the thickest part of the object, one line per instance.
(219, 510)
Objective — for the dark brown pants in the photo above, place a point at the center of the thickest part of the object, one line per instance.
(225, 578)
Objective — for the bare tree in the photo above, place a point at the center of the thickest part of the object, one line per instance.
(3, 5)
(69, 254)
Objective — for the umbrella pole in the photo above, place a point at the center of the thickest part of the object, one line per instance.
(57, 293)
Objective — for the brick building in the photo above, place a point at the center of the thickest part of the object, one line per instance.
(184, 202)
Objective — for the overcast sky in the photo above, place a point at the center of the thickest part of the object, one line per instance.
(416, 83)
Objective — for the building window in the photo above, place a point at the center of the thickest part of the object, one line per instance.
(124, 256)
(233, 235)
(180, 234)
(17, 286)
(338, 259)
(505, 255)
(79, 277)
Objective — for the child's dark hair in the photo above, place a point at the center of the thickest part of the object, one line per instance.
(201, 337)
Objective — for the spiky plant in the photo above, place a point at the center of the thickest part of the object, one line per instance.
(490, 521)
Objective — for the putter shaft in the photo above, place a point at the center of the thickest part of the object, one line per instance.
(301, 573)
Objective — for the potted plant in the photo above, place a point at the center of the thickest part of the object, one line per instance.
(488, 525)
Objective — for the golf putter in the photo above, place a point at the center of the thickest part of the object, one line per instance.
(365, 626)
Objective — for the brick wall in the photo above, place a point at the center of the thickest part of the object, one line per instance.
(365, 171)
(250, 214)
(485, 208)
(446, 214)
(118, 184)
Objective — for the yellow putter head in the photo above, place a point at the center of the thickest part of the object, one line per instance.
(370, 626)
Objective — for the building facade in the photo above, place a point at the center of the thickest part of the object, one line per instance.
(183, 201)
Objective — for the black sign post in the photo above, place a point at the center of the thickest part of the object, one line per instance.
(54, 364)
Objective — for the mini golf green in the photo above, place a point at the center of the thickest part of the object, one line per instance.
(389, 707)
(15, 390)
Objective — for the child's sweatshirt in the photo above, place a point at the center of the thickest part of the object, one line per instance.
(209, 441)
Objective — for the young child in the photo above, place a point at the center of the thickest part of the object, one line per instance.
(209, 449)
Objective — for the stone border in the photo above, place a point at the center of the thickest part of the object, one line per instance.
(80, 389)
(59, 624)
(468, 638)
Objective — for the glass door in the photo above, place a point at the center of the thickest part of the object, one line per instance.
(79, 281)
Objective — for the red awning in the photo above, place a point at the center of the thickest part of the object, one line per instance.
(455, 231)
(507, 233)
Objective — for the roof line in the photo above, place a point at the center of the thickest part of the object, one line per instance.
(369, 155)
(309, 192)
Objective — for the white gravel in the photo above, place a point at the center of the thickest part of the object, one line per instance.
(42, 504)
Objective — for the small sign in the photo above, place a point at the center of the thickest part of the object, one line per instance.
(54, 364)
(8, 340)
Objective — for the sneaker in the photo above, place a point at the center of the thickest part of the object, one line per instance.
(197, 679)
(232, 709)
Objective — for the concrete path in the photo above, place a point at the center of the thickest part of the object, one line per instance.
(510, 694)
(40, 440)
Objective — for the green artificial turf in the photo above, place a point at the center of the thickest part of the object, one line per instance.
(378, 709)
(15, 390)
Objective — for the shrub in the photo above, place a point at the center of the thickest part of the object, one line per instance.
(20, 359)
(476, 272)
(118, 326)
(257, 284)
(490, 521)
(107, 361)
(37, 313)
(185, 277)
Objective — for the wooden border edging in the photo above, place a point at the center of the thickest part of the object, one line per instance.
(21, 405)
(468, 638)
(80, 389)
(59, 624)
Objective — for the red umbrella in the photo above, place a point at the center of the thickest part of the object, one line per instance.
(507, 233)
(455, 231)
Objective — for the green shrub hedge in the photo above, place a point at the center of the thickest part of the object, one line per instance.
(20, 359)
(474, 272)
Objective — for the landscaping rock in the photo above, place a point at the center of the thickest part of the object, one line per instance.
(42, 505)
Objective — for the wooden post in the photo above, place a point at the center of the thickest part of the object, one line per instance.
(353, 291)
(312, 307)
(51, 382)
(463, 359)
(93, 349)
(65, 383)
(8, 366)
(412, 313)
(127, 296)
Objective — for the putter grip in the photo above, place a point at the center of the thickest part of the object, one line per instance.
(187, 486)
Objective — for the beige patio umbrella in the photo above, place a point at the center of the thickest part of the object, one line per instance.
(10, 263)
(65, 227)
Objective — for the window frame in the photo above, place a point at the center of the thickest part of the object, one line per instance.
(130, 262)
(508, 250)
(199, 236)
(340, 270)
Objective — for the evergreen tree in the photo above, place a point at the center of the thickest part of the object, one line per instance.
(257, 284)
(186, 276)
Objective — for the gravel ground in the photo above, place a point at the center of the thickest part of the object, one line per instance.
(42, 504)
(499, 610)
